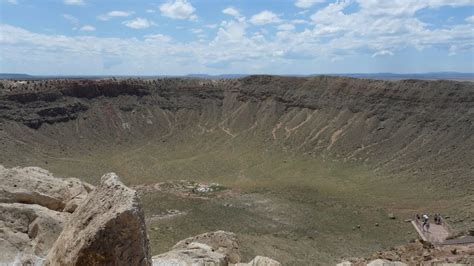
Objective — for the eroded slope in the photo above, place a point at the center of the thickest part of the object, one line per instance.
(422, 128)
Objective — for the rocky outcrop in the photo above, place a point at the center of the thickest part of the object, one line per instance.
(260, 261)
(33, 185)
(34, 206)
(193, 254)
(377, 262)
(418, 252)
(35, 103)
(380, 262)
(35, 114)
(218, 248)
(220, 241)
(27, 232)
(53, 101)
(107, 229)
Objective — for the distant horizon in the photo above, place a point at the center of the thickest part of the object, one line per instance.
(376, 76)
(240, 74)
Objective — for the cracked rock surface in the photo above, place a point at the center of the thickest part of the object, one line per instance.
(34, 206)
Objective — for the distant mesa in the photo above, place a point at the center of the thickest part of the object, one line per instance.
(15, 76)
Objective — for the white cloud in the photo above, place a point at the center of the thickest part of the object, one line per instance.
(470, 19)
(138, 23)
(331, 13)
(114, 14)
(307, 3)
(231, 12)
(75, 21)
(151, 11)
(231, 31)
(157, 38)
(299, 21)
(178, 9)
(382, 53)
(74, 2)
(87, 28)
(71, 18)
(211, 26)
(13, 2)
(265, 17)
(380, 26)
(286, 27)
(303, 12)
(119, 13)
(406, 8)
(199, 33)
(333, 35)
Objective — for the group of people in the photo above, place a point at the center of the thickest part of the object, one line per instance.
(425, 219)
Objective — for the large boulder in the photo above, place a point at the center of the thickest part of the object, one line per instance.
(381, 262)
(33, 185)
(193, 254)
(27, 232)
(220, 241)
(260, 261)
(107, 229)
(34, 206)
(218, 248)
(345, 263)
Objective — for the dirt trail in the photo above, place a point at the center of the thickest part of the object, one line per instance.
(437, 234)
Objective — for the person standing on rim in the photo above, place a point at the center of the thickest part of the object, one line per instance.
(425, 222)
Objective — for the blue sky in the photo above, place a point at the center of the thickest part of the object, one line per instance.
(174, 37)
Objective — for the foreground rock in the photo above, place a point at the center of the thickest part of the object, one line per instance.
(418, 252)
(377, 262)
(218, 248)
(33, 185)
(220, 241)
(34, 206)
(107, 229)
(192, 254)
(27, 232)
(260, 261)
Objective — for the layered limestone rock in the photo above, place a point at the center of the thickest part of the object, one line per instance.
(107, 229)
(220, 241)
(260, 261)
(381, 262)
(27, 232)
(33, 185)
(193, 254)
(418, 252)
(377, 262)
(218, 248)
(34, 206)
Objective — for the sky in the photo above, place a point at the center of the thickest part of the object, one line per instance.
(177, 37)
